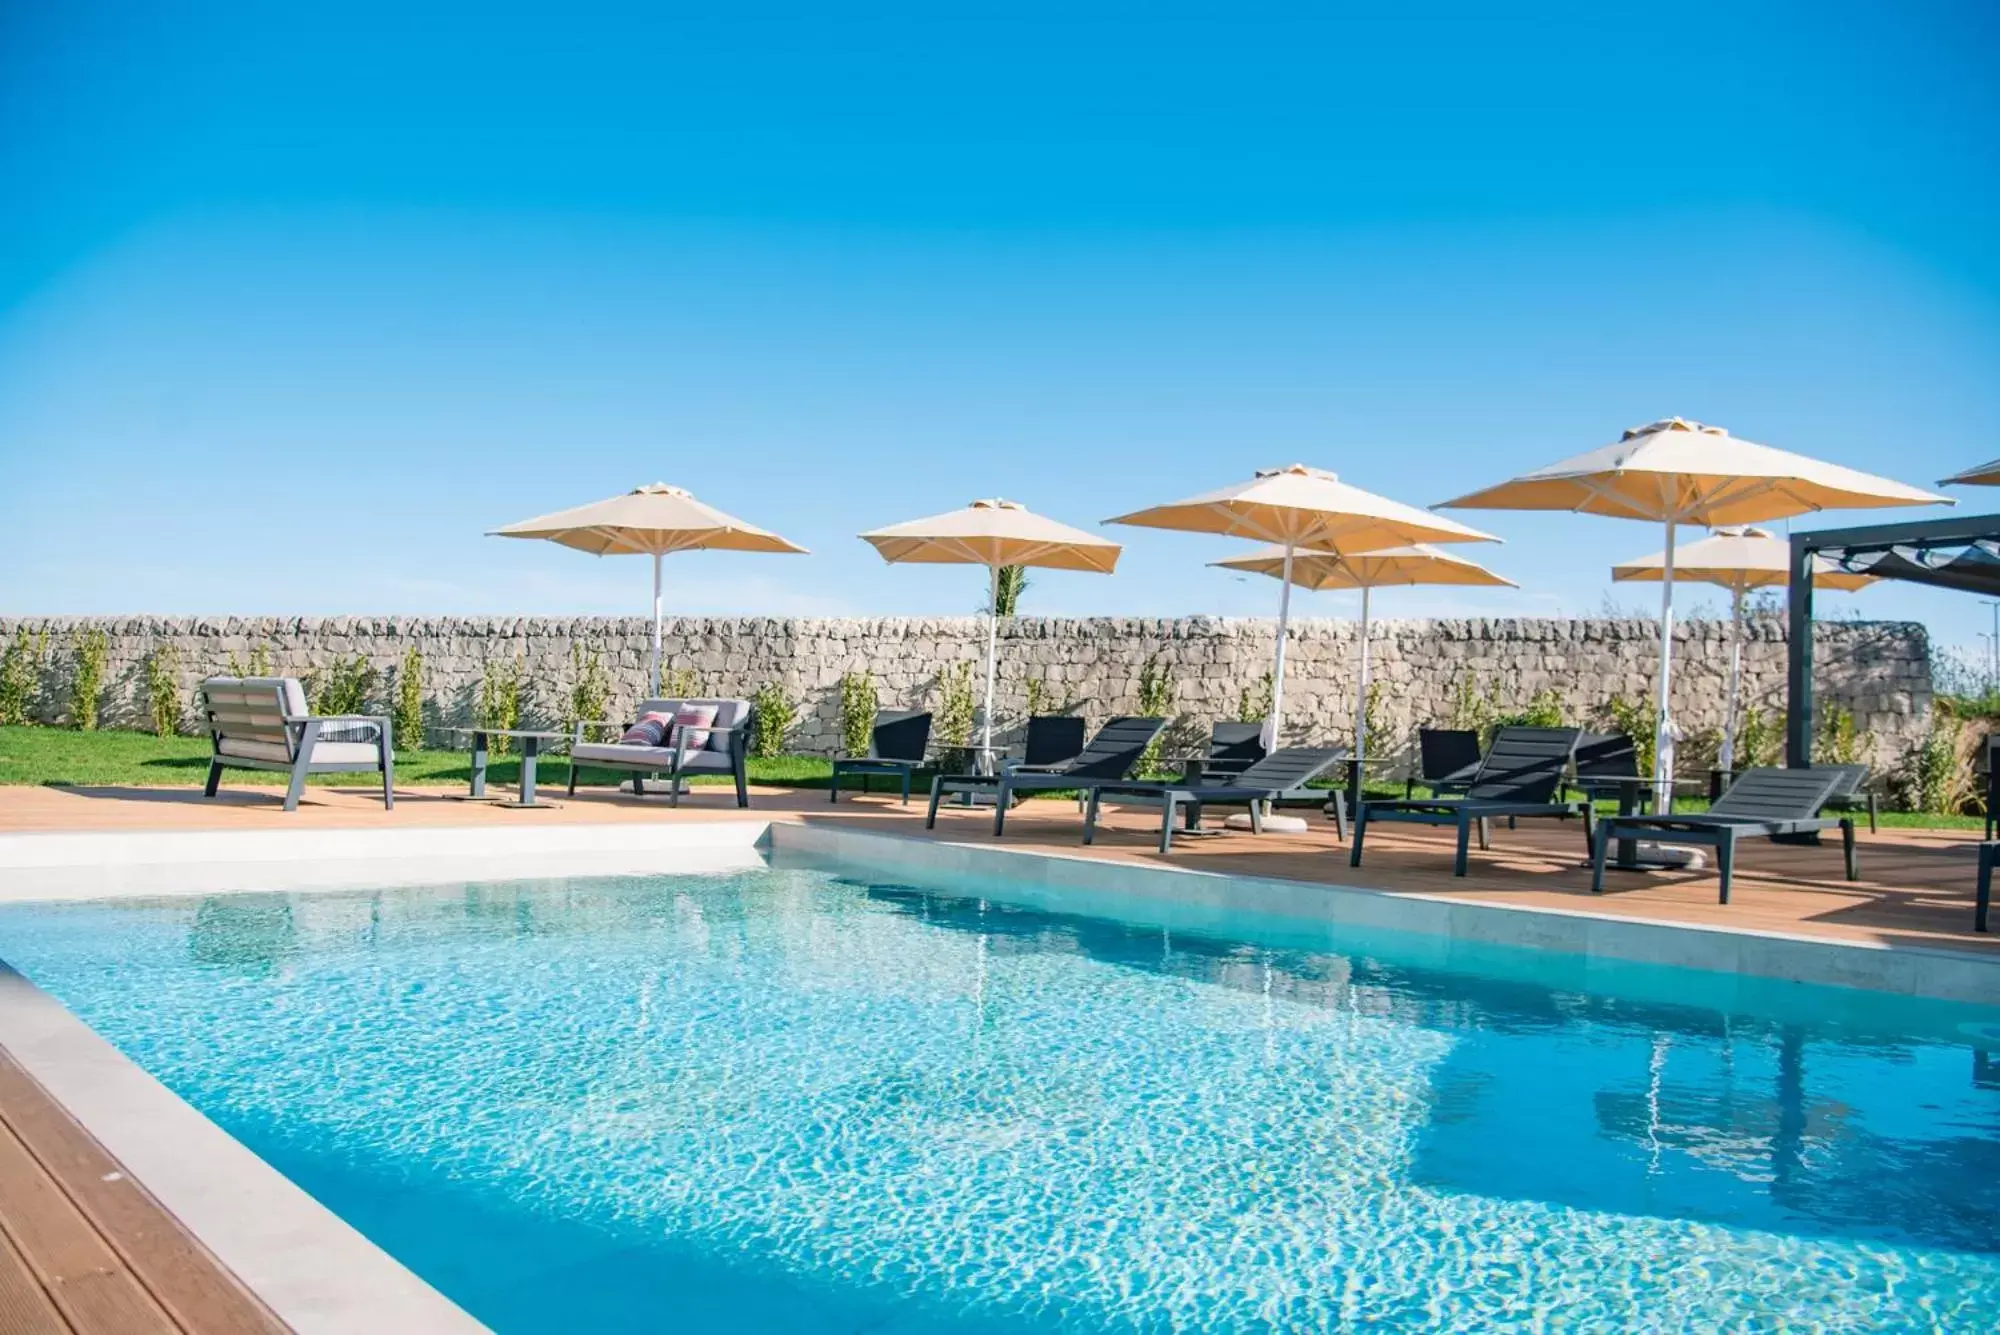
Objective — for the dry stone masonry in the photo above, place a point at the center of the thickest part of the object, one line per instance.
(1878, 670)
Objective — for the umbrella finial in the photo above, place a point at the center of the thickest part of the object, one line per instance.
(1673, 424)
(995, 503)
(1299, 470)
(661, 489)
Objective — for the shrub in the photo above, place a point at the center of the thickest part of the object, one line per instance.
(93, 649)
(1472, 710)
(1934, 776)
(1639, 720)
(406, 711)
(1374, 716)
(500, 699)
(1838, 743)
(1543, 710)
(1253, 703)
(342, 687)
(1760, 739)
(1156, 700)
(162, 677)
(681, 683)
(1040, 699)
(775, 715)
(258, 666)
(956, 706)
(589, 686)
(20, 667)
(857, 713)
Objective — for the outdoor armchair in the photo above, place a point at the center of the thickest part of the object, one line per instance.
(1774, 804)
(896, 747)
(1112, 754)
(1518, 776)
(682, 751)
(262, 723)
(1281, 775)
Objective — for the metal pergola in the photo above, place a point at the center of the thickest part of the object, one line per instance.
(1951, 552)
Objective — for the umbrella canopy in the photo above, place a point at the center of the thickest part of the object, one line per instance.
(1985, 475)
(993, 534)
(648, 521)
(1679, 472)
(1738, 559)
(1299, 507)
(1418, 564)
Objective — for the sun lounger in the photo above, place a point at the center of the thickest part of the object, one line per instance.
(261, 723)
(1112, 754)
(1447, 760)
(1762, 804)
(1851, 793)
(1282, 774)
(1517, 777)
(896, 747)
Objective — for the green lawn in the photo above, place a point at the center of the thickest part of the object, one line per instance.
(139, 759)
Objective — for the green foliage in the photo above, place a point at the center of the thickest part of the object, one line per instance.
(589, 686)
(1838, 743)
(93, 649)
(1013, 583)
(1040, 699)
(1253, 703)
(956, 706)
(681, 683)
(1760, 739)
(776, 712)
(1472, 709)
(858, 704)
(1373, 713)
(500, 699)
(1936, 776)
(1639, 720)
(342, 687)
(20, 671)
(259, 664)
(1156, 700)
(162, 680)
(1543, 710)
(406, 711)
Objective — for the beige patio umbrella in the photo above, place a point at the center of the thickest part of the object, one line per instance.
(1985, 475)
(1367, 571)
(1740, 560)
(1677, 472)
(994, 534)
(1302, 509)
(649, 521)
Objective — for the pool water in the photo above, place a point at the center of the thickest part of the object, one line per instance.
(806, 1099)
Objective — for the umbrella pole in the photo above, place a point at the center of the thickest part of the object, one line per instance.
(1361, 698)
(1663, 736)
(656, 625)
(1270, 734)
(992, 636)
(1727, 759)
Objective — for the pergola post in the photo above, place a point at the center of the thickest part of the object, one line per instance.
(1799, 655)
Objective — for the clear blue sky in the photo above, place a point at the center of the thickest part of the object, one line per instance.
(297, 301)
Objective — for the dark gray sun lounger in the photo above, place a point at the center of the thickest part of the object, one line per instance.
(1281, 775)
(1112, 754)
(1773, 804)
(1518, 776)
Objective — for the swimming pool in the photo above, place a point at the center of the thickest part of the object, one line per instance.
(811, 1098)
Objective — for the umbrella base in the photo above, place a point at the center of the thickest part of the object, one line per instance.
(1272, 824)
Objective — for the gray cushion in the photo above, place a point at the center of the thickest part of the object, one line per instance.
(324, 753)
(645, 757)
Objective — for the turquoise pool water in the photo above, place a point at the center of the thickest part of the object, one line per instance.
(800, 1099)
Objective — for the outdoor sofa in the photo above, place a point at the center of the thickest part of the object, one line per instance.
(1518, 776)
(262, 723)
(1776, 804)
(1281, 775)
(683, 749)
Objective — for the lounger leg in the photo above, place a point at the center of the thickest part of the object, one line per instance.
(1193, 821)
(1597, 856)
(908, 770)
(674, 786)
(1589, 829)
(297, 787)
(1485, 837)
(1873, 828)
(1090, 818)
(742, 787)
(1458, 862)
(833, 787)
(638, 785)
(214, 778)
(1847, 850)
(1725, 863)
(1360, 831)
(1336, 807)
(1001, 798)
(1985, 889)
(937, 791)
(1256, 818)
(1166, 823)
(573, 767)
(388, 779)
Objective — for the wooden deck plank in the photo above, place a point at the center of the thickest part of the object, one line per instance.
(95, 1291)
(25, 1307)
(168, 1261)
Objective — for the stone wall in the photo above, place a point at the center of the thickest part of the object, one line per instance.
(1879, 670)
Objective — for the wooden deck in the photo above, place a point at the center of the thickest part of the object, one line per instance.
(85, 1250)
